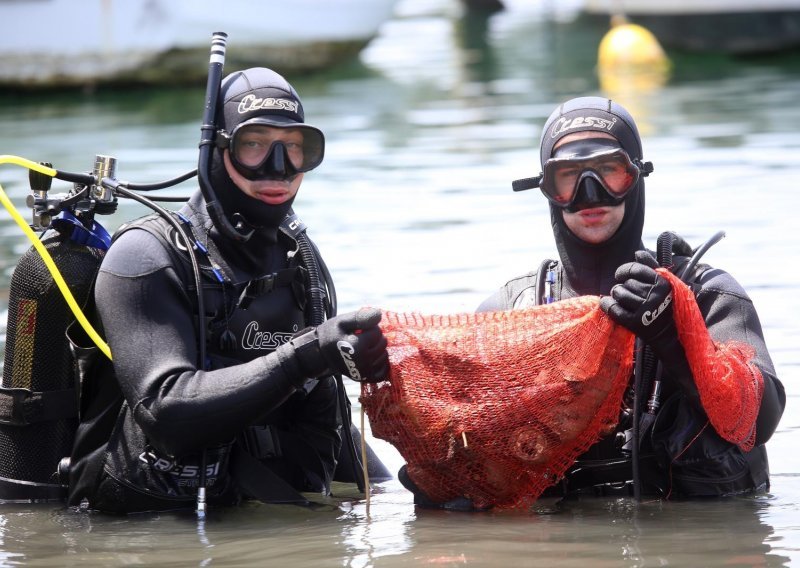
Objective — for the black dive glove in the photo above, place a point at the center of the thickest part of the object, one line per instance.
(350, 344)
(642, 302)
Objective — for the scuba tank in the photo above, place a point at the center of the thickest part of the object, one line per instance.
(38, 397)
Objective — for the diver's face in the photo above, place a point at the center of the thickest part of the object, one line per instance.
(269, 191)
(592, 223)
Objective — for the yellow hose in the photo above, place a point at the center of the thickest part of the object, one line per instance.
(40, 248)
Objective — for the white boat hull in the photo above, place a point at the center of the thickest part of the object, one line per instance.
(78, 42)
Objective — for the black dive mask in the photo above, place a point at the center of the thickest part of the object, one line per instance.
(592, 192)
(275, 165)
(594, 171)
(260, 150)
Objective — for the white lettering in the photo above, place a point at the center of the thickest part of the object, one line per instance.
(347, 351)
(649, 317)
(252, 102)
(254, 339)
(564, 124)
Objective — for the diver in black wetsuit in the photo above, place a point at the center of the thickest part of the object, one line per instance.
(592, 175)
(593, 178)
(260, 418)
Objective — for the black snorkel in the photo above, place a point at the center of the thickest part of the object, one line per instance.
(208, 132)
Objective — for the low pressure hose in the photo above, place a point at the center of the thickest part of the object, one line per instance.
(665, 244)
(318, 278)
(317, 312)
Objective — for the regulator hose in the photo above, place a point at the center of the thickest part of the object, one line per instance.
(323, 305)
(644, 370)
(650, 366)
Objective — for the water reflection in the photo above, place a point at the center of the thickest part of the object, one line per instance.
(614, 532)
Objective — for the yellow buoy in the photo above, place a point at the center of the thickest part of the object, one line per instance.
(630, 47)
(631, 62)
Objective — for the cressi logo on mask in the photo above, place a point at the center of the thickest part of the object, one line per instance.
(346, 350)
(251, 102)
(564, 124)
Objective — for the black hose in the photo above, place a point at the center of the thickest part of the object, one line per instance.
(330, 290)
(701, 250)
(638, 365)
(648, 368)
(321, 289)
(169, 199)
(83, 179)
(161, 184)
(650, 365)
(201, 330)
(317, 309)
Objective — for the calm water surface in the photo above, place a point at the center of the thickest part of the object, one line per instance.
(413, 210)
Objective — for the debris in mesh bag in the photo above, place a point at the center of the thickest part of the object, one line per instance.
(496, 406)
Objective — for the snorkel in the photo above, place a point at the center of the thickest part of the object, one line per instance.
(208, 132)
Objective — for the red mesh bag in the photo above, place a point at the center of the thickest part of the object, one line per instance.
(496, 406)
(729, 383)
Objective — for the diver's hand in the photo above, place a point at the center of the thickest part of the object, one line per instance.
(350, 344)
(642, 301)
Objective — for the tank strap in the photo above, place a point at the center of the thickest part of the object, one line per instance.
(22, 407)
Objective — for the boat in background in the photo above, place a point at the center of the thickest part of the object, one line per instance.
(84, 43)
(740, 27)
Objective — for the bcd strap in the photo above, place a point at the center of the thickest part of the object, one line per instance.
(22, 407)
(265, 284)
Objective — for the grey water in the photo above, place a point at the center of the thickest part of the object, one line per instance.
(413, 211)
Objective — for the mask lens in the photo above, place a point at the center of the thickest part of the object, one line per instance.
(613, 169)
(252, 144)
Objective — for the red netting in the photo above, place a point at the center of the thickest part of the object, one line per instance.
(496, 406)
(729, 383)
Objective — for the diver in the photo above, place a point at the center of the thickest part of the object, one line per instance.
(259, 418)
(593, 178)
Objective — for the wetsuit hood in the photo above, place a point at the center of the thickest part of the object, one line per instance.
(246, 95)
(589, 268)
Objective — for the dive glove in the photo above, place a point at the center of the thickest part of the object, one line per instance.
(350, 344)
(642, 301)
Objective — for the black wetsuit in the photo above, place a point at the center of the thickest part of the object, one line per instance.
(672, 461)
(145, 436)
(710, 466)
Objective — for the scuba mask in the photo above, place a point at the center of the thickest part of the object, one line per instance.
(592, 170)
(263, 149)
